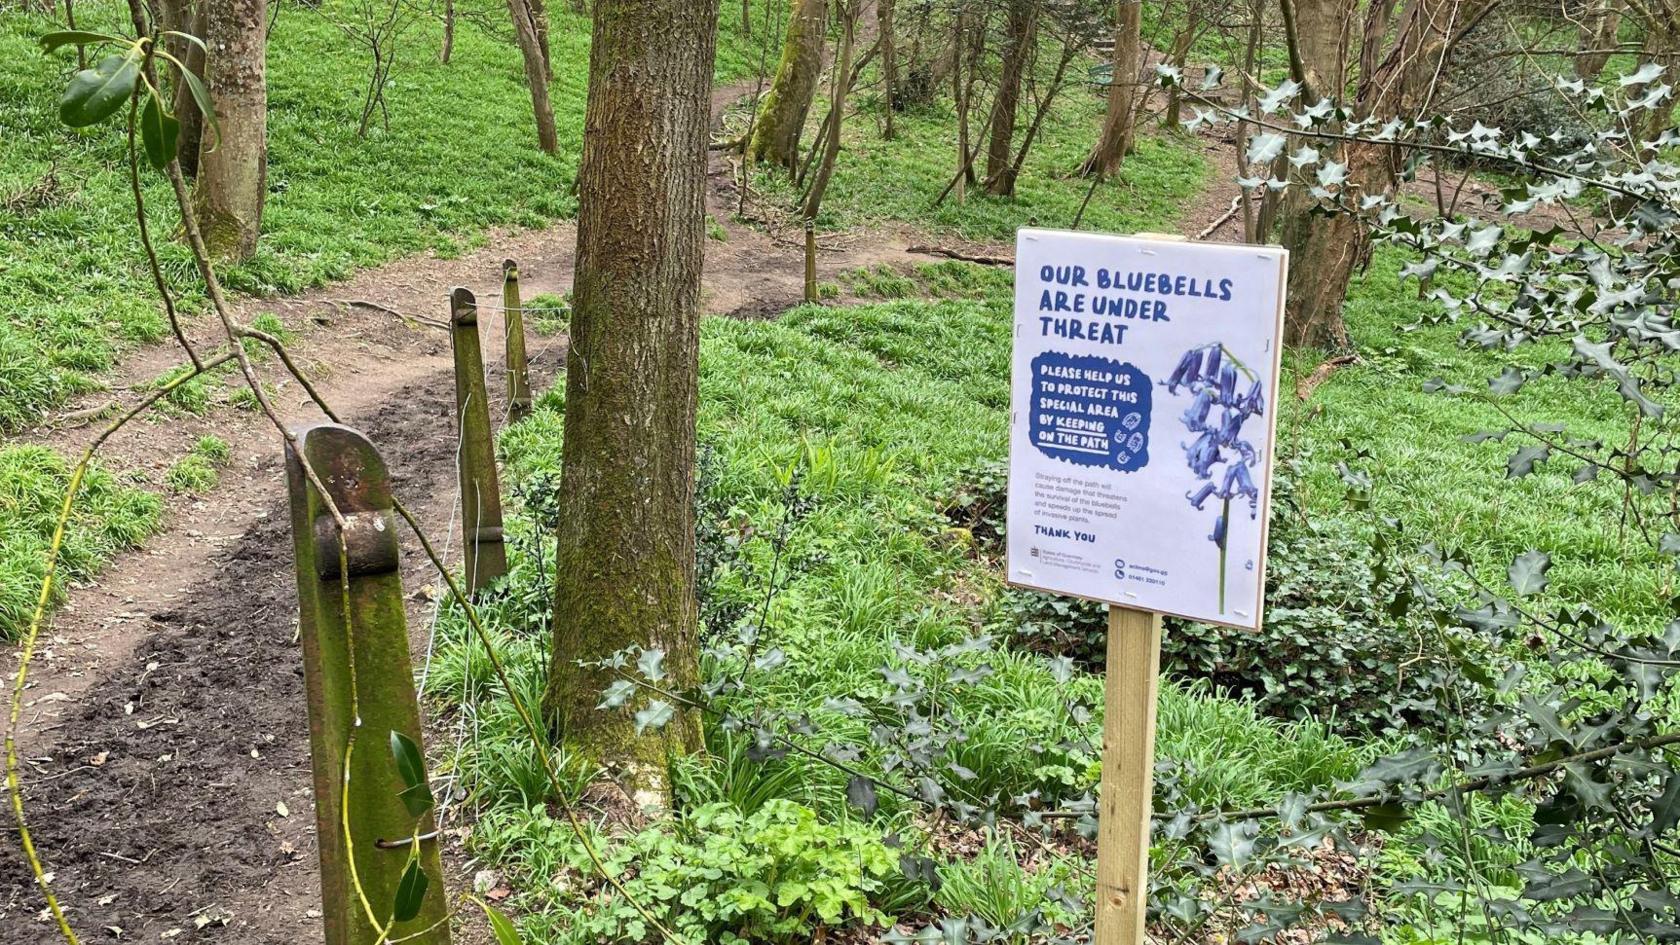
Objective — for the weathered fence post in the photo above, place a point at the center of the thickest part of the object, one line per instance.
(810, 261)
(518, 370)
(481, 494)
(367, 625)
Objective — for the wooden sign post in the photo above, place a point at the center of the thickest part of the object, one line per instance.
(481, 491)
(1143, 374)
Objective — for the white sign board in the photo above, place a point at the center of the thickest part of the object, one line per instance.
(1143, 388)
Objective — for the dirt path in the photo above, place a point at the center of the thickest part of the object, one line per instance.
(164, 729)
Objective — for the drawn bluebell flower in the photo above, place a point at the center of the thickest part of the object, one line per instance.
(1210, 374)
(1195, 416)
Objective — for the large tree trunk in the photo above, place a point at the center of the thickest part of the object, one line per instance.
(889, 62)
(1324, 250)
(781, 116)
(1120, 119)
(1017, 49)
(536, 72)
(185, 16)
(625, 542)
(233, 169)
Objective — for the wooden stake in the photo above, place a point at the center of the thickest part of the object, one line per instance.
(374, 701)
(810, 261)
(513, 321)
(481, 493)
(1128, 775)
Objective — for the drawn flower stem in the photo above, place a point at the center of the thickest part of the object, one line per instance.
(1225, 511)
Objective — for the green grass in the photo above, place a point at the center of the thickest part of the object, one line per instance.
(108, 517)
(459, 157)
(878, 181)
(197, 472)
(1455, 492)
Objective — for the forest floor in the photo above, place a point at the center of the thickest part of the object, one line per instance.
(164, 736)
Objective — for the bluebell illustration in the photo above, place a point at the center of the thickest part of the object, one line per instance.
(1218, 456)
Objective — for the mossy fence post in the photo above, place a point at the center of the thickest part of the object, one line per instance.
(518, 368)
(481, 494)
(368, 624)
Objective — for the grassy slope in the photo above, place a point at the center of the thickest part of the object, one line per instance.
(459, 157)
(878, 181)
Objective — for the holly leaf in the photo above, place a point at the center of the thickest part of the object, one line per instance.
(657, 713)
(95, 94)
(1523, 461)
(1528, 572)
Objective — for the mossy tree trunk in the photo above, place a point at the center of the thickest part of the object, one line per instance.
(1012, 65)
(889, 63)
(781, 115)
(625, 542)
(233, 166)
(1119, 129)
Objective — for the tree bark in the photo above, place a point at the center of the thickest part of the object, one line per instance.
(233, 171)
(185, 16)
(1182, 41)
(1119, 120)
(625, 553)
(1017, 49)
(781, 116)
(889, 62)
(536, 73)
(538, 11)
(448, 32)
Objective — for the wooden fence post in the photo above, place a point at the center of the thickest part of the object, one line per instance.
(374, 701)
(518, 368)
(1128, 775)
(810, 261)
(481, 493)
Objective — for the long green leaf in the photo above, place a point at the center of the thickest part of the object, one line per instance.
(52, 41)
(417, 794)
(411, 892)
(95, 94)
(500, 925)
(202, 97)
(159, 132)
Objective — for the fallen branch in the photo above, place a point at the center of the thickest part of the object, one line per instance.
(412, 321)
(1224, 218)
(964, 257)
(1306, 385)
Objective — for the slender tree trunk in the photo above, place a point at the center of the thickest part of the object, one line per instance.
(448, 32)
(1017, 49)
(625, 543)
(889, 62)
(524, 29)
(1182, 40)
(1013, 174)
(538, 11)
(746, 18)
(233, 171)
(1600, 25)
(1119, 129)
(782, 114)
(836, 113)
(185, 16)
(1377, 16)
(959, 96)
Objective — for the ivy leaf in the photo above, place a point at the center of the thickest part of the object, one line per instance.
(657, 713)
(411, 892)
(95, 94)
(159, 132)
(417, 793)
(1528, 572)
(860, 793)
